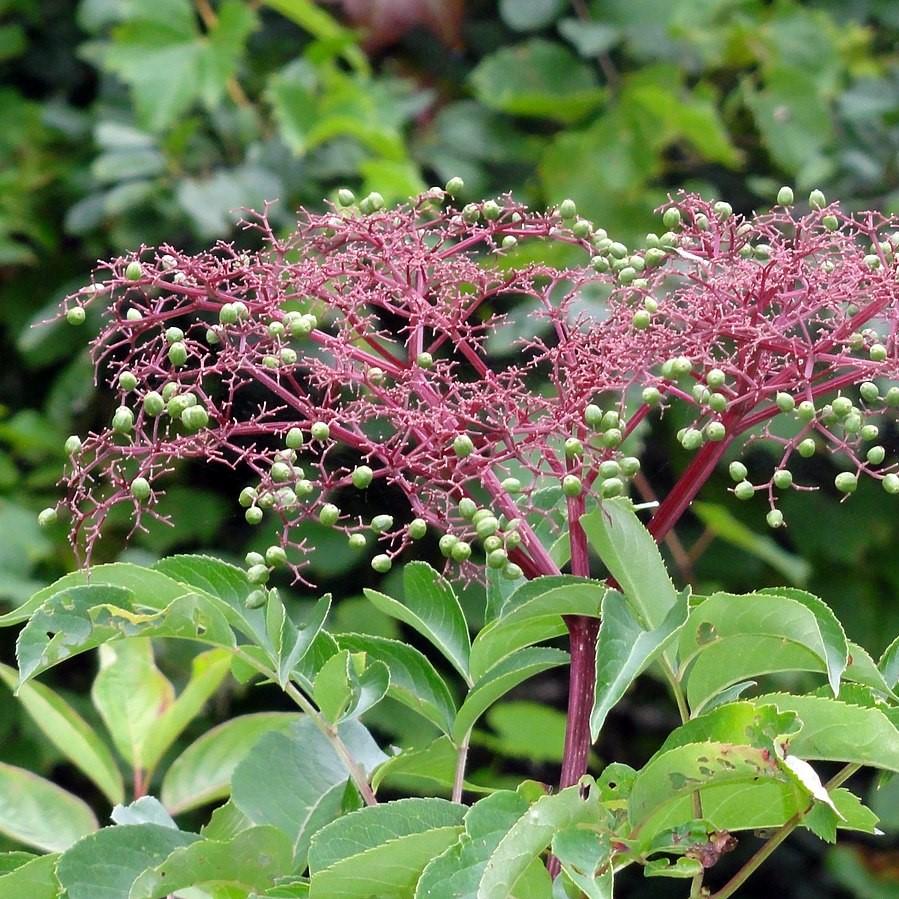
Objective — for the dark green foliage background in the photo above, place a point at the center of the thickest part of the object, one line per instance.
(125, 122)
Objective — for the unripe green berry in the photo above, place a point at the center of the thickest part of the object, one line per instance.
(612, 438)
(671, 218)
(454, 186)
(418, 527)
(253, 558)
(715, 431)
(717, 402)
(869, 432)
(491, 210)
(872, 261)
(892, 397)
(869, 392)
(877, 352)
(512, 572)
(692, 439)
(178, 354)
(328, 514)
(723, 210)
(374, 201)
(876, 455)
(258, 574)
(253, 515)
(509, 242)
(806, 448)
(609, 468)
(630, 465)
(228, 314)
(288, 356)
(782, 479)
(785, 196)
(133, 315)
(270, 361)
(123, 420)
(345, 197)
(256, 599)
(276, 556)
(76, 315)
(461, 552)
(194, 418)
(492, 542)
(320, 431)
(357, 541)
(846, 482)
(303, 488)
(486, 527)
(816, 199)
(841, 406)
(567, 209)
(281, 472)
(381, 563)
(173, 335)
(641, 320)
(805, 411)
(127, 380)
(362, 476)
(744, 490)
(651, 396)
(134, 271)
(593, 415)
(762, 251)
(715, 378)
(611, 487)
(247, 497)
(463, 446)
(140, 489)
(681, 365)
(618, 250)
(381, 523)
(775, 518)
(72, 445)
(446, 544)
(737, 471)
(852, 423)
(891, 484)
(582, 228)
(47, 516)
(481, 514)
(511, 485)
(572, 486)
(497, 558)
(830, 222)
(785, 402)
(467, 507)
(294, 439)
(573, 447)
(701, 221)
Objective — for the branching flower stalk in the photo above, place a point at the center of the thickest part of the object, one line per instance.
(357, 353)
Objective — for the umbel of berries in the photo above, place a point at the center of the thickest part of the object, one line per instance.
(352, 360)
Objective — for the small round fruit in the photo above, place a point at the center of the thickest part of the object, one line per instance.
(123, 420)
(467, 507)
(140, 489)
(294, 439)
(256, 599)
(362, 476)
(424, 360)
(877, 352)
(715, 378)
(254, 558)
(253, 515)
(178, 354)
(609, 468)
(572, 486)
(891, 483)
(47, 516)
(744, 490)
(194, 418)
(497, 558)
(381, 563)
(869, 432)
(611, 487)
(134, 271)
(630, 465)
(869, 392)
(247, 497)
(783, 478)
(276, 556)
(127, 380)
(173, 335)
(641, 320)
(775, 518)
(320, 431)
(258, 574)
(463, 446)
(717, 402)
(841, 406)
(72, 445)
(381, 523)
(671, 218)
(511, 485)
(846, 482)
(454, 186)
(806, 448)
(785, 196)
(805, 411)
(568, 209)
(785, 402)
(692, 439)
(573, 447)
(737, 471)
(612, 438)
(512, 572)
(816, 199)
(418, 527)
(76, 315)
(153, 403)
(461, 552)
(715, 431)
(593, 415)
(328, 514)
(486, 527)
(357, 541)
(651, 396)
(345, 197)
(876, 455)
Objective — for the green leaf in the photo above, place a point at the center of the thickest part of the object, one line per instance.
(537, 79)
(130, 692)
(208, 671)
(348, 685)
(105, 864)
(530, 15)
(80, 618)
(290, 643)
(456, 873)
(677, 772)
(837, 731)
(624, 649)
(525, 730)
(381, 848)
(296, 781)
(431, 608)
(252, 860)
(413, 679)
(428, 770)
(724, 525)
(202, 773)
(145, 810)
(38, 813)
(628, 550)
(69, 733)
(313, 19)
(506, 675)
(224, 49)
(889, 664)
(36, 879)
(533, 832)
(581, 853)
(532, 616)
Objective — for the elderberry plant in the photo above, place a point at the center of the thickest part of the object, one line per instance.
(354, 352)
